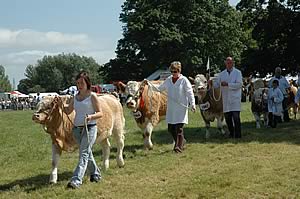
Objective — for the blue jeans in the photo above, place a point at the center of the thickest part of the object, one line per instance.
(86, 158)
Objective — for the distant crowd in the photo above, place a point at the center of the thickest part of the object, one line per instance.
(18, 103)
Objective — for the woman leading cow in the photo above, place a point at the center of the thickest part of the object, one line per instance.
(87, 110)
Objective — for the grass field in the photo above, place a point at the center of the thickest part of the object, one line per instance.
(265, 163)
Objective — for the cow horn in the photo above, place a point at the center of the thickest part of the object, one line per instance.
(192, 80)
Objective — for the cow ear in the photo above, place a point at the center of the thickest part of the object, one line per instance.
(192, 80)
(121, 86)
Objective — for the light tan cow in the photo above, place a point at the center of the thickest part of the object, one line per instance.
(210, 103)
(148, 107)
(292, 106)
(59, 126)
(259, 102)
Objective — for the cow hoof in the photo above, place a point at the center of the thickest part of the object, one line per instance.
(207, 135)
(106, 165)
(121, 166)
(120, 163)
(149, 148)
(148, 145)
(53, 179)
(52, 182)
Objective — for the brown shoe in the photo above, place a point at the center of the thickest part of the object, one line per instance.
(177, 150)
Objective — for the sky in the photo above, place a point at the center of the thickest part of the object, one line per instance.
(31, 29)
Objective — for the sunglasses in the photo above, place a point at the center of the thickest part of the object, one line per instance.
(174, 71)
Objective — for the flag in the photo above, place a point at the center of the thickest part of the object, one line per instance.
(207, 65)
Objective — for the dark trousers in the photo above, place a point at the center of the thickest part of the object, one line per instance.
(273, 119)
(286, 116)
(176, 131)
(233, 122)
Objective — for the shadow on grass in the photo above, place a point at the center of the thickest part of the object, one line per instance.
(32, 183)
(132, 149)
(285, 132)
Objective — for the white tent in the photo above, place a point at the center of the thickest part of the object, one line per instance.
(23, 95)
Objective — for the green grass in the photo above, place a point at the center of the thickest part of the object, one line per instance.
(265, 163)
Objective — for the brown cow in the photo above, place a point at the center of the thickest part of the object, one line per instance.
(59, 125)
(210, 103)
(148, 107)
(292, 106)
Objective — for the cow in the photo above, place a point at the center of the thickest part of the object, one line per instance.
(59, 126)
(210, 103)
(259, 102)
(292, 106)
(147, 106)
(259, 106)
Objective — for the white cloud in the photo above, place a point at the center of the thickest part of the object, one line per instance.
(19, 48)
(27, 38)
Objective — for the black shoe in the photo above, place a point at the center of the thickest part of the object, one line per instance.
(95, 178)
(72, 185)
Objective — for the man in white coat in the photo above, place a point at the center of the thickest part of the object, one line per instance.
(180, 98)
(230, 80)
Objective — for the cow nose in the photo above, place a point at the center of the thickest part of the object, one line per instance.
(200, 88)
(130, 104)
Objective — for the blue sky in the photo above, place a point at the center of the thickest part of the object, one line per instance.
(33, 28)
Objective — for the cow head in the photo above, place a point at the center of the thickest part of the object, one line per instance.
(200, 86)
(260, 96)
(132, 93)
(46, 107)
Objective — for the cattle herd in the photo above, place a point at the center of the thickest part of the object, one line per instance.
(148, 107)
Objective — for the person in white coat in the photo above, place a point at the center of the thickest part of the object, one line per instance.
(180, 98)
(275, 98)
(284, 86)
(231, 81)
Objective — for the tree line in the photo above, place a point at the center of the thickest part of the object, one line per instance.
(259, 34)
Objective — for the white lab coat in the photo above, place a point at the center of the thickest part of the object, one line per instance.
(180, 96)
(283, 84)
(275, 98)
(231, 94)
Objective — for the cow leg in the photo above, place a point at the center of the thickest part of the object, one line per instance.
(220, 125)
(295, 111)
(55, 158)
(257, 119)
(207, 126)
(105, 152)
(147, 136)
(120, 146)
(266, 119)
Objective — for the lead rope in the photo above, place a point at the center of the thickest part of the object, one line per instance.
(86, 130)
(213, 93)
(172, 99)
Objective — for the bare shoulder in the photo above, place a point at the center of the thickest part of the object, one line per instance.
(94, 96)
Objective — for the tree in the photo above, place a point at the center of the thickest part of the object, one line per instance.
(159, 32)
(274, 25)
(54, 73)
(4, 81)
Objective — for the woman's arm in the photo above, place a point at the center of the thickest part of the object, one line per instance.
(97, 107)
